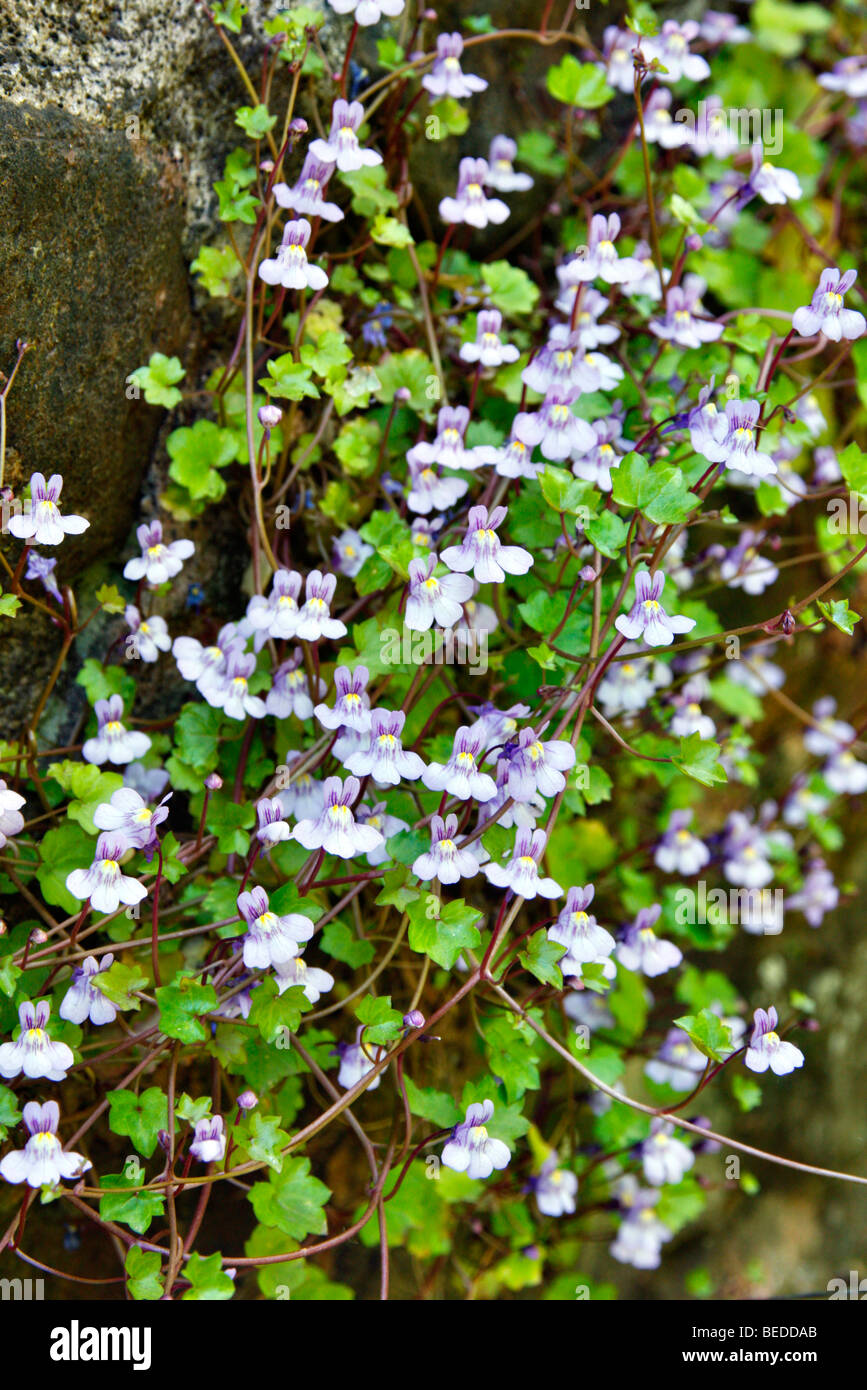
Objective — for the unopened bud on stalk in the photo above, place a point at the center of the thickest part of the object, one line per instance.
(269, 416)
(248, 1100)
(414, 1019)
(213, 781)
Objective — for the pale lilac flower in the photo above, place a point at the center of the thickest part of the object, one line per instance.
(767, 1048)
(355, 1062)
(642, 950)
(628, 686)
(470, 204)
(521, 872)
(827, 468)
(350, 553)
(460, 776)
(818, 895)
(448, 448)
(617, 50)
(335, 829)
(151, 636)
(845, 775)
(514, 458)
(600, 259)
(671, 47)
(310, 978)
(305, 197)
(706, 425)
(270, 939)
(290, 693)
(351, 701)
(434, 601)
(342, 147)
(682, 323)
(537, 766)
(641, 1234)
(501, 174)
(743, 567)
(647, 618)
(717, 27)
(587, 1010)
(521, 813)
(554, 367)
(806, 408)
(424, 532)
(689, 719)
(665, 1158)
(826, 313)
(561, 434)
(496, 727)
(201, 664)
(470, 1149)
(83, 1000)
(290, 266)
(41, 523)
(112, 742)
(678, 1063)
(773, 185)
(482, 552)
(303, 795)
(595, 466)
(736, 434)
(587, 332)
(713, 133)
(444, 860)
(744, 853)
(827, 736)
(386, 760)
(11, 819)
(477, 617)
(33, 1051)
(41, 568)
(314, 618)
(679, 851)
(42, 1162)
(555, 1189)
(157, 562)
(430, 492)
(596, 372)
(128, 815)
(579, 931)
(379, 819)
(277, 615)
(487, 349)
(849, 75)
(272, 824)
(445, 78)
(659, 128)
(147, 781)
(349, 741)
(802, 802)
(103, 883)
(209, 1141)
(229, 690)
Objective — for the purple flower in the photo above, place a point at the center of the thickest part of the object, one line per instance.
(103, 883)
(147, 781)
(596, 465)
(42, 1162)
(277, 615)
(470, 204)
(487, 349)
(33, 1052)
(521, 873)
(429, 492)
(659, 128)
(356, 1062)
(157, 562)
(229, 690)
(641, 1235)
(743, 567)
(744, 851)
(209, 1141)
(445, 860)
(671, 47)
(272, 826)
(41, 568)
(112, 742)
(599, 260)
(618, 48)
(335, 829)
(555, 1189)
(460, 776)
(825, 312)
(350, 552)
(129, 816)
(11, 819)
(642, 950)
(576, 929)
(351, 701)
(448, 447)
(310, 978)
(678, 1063)
(433, 600)
(470, 1149)
(647, 618)
(41, 522)
(681, 324)
(554, 369)
(736, 435)
(849, 75)
(501, 174)
(723, 28)
(314, 619)
(535, 765)
(377, 816)
(560, 434)
(290, 267)
(150, 636)
(665, 1158)
(386, 760)
(481, 550)
(445, 78)
(772, 185)
(290, 693)
(305, 196)
(845, 775)
(679, 851)
(767, 1048)
(270, 939)
(513, 459)
(367, 11)
(342, 147)
(83, 1000)
(818, 895)
(203, 664)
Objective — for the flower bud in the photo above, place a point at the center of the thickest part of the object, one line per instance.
(693, 242)
(299, 126)
(414, 1019)
(248, 1100)
(213, 781)
(38, 937)
(402, 395)
(269, 416)
(587, 573)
